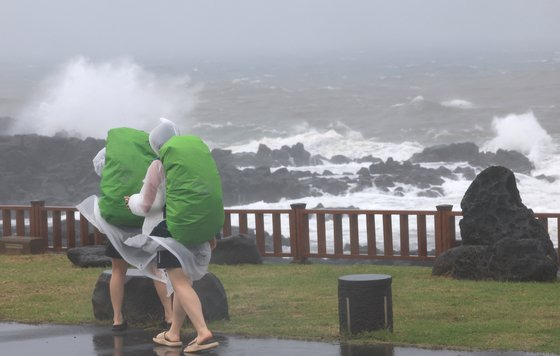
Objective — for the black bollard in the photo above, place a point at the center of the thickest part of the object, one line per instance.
(365, 303)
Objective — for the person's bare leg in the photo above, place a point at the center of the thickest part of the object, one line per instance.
(166, 302)
(116, 288)
(190, 303)
(177, 321)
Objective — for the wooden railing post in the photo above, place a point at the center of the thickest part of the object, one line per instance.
(38, 226)
(35, 221)
(443, 229)
(300, 229)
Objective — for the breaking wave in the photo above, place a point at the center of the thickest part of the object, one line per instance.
(85, 98)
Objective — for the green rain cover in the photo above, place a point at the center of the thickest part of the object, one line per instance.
(127, 158)
(194, 207)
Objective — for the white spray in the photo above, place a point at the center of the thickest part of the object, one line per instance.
(521, 133)
(86, 99)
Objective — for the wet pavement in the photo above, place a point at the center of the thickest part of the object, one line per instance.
(85, 340)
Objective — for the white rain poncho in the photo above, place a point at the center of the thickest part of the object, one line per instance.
(141, 258)
(137, 247)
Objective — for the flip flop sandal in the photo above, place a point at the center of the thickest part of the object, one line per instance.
(193, 346)
(161, 339)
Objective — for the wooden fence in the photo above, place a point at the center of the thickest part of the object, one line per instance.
(297, 232)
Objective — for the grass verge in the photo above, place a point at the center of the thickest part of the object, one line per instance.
(300, 301)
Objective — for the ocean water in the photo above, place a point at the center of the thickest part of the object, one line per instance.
(354, 105)
(358, 107)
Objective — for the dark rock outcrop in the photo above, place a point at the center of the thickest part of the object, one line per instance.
(141, 303)
(299, 155)
(213, 297)
(469, 152)
(55, 169)
(513, 160)
(340, 159)
(89, 256)
(409, 173)
(267, 157)
(501, 238)
(58, 170)
(238, 249)
(455, 152)
(467, 172)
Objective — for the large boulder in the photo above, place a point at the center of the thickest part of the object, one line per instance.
(141, 303)
(213, 297)
(501, 238)
(88, 256)
(238, 249)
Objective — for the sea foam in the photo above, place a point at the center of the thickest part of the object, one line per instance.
(331, 142)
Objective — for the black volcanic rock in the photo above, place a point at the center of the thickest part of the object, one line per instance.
(369, 158)
(264, 156)
(492, 210)
(299, 155)
(384, 182)
(363, 172)
(285, 156)
(89, 256)
(141, 303)
(55, 169)
(467, 172)
(408, 173)
(282, 156)
(340, 159)
(501, 238)
(330, 185)
(364, 182)
(455, 152)
(59, 170)
(513, 160)
(469, 152)
(236, 249)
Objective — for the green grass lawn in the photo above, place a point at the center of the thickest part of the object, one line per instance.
(301, 301)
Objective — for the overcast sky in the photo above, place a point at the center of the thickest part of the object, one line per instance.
(59, 29)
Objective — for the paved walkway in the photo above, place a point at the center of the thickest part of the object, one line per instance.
(90, 340)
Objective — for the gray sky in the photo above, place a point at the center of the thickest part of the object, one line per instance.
(59, 29)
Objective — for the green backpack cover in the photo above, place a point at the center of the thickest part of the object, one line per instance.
(194, 207)
(127, 158)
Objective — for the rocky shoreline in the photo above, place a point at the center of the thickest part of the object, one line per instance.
(58, 170)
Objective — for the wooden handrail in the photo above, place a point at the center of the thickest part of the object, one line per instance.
(321, 233)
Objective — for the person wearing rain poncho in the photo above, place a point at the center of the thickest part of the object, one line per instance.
(186, 178)
(122, 165)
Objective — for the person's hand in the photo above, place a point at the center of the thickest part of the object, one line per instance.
(213, 243)
(126, 198)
